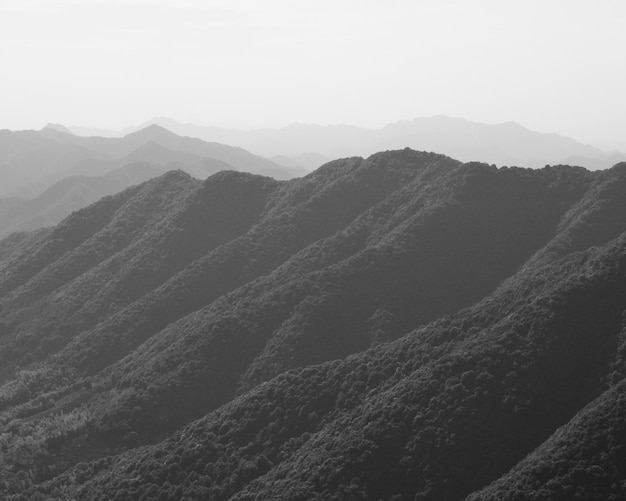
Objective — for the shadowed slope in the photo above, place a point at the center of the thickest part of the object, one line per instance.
(403, 325)
(435, 415)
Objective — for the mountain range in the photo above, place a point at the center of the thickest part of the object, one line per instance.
(31, 161)
(69, 194)
(45, 175)
(310, 146)
(404, 326)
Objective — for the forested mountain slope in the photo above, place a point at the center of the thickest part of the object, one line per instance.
(70, 194)
(404, 326)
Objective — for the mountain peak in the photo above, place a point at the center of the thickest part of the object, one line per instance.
(153, 130)
(57, 128)
(152, 133)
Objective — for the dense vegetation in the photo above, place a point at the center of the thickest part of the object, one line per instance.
(400, 327)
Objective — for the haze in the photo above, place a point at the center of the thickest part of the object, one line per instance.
(553, 66)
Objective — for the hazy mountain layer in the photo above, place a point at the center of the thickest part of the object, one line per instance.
(31, 161)
(28, 156)
(237, 157)
(68, 195)
(400, 327)
(501, 144)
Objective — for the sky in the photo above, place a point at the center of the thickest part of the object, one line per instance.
(550, 65)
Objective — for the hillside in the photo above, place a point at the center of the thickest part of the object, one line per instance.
(404, 326)
(70, 194)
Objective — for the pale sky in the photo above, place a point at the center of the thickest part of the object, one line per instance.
(550, 65)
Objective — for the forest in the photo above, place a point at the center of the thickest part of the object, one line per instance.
(404, 326)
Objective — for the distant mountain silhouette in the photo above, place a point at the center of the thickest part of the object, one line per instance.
(94, 131)
(404, 326)
(234, 156)
(501, 144)
(29, 156)
(603, 161)
(59, 127)
(68, 195)
(309, 161)
(31, 161)
(198, 166)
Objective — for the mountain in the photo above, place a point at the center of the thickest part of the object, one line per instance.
(308, 161)
(68, 195)
(31, 161)
(58, 127)
(405, 326)
(49, 173)
(28, 156)
(500, 144)
(234, 156)
(94, 131)
(604, 161)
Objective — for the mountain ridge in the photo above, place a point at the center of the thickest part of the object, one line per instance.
(47, 174)
(68, 195)
(48, 155)
(503, 144)
(403, 325)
